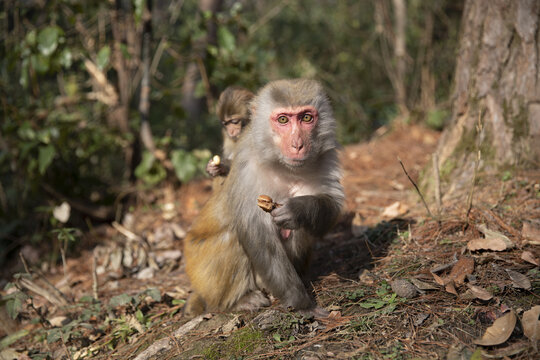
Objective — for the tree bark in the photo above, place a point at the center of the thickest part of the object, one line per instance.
(194, 106)
(496, 96)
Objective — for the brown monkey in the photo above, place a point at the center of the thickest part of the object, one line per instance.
(235, 251)
(233, 112)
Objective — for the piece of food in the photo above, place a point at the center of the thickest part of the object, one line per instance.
(216, 160)
(265, 202)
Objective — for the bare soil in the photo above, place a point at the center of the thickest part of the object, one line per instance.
(362, 272)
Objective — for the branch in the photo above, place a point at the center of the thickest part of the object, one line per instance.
(417, 190)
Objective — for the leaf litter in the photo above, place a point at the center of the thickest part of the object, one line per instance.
(354, 273)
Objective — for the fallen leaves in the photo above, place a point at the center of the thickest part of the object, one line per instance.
(531, 323)
(477, 292)
(500, 331)
(492, 240)
(461, 269)
(519, 280)
(396, 209)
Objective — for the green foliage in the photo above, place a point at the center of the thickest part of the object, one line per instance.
(150, 170)
(11, 338)
(188, 164)
(385, 300)
(59, 128)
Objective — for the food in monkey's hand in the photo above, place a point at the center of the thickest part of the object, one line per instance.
(216, 160)
(266, 203)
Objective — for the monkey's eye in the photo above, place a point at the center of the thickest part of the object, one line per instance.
(307, 118)
(283, 119)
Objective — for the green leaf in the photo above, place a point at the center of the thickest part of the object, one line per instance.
(48, 39)
(277, 337)
(185, 164)
(66, 58)
(45, 157)
(23, 80)
(154, 294)
(139, 7)
(149, 170)
(14, 307)
(40, 63)
(140, 316)
(31, 38)
(120, 300)
(226, 39)
(53, 335)
(103, 57)
(10, 339)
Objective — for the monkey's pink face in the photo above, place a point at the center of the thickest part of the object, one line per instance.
(293, 127)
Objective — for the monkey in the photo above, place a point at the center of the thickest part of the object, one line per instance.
(233, 112)
(237, 254)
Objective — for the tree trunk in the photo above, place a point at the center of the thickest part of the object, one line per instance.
(193, 105)
(496, 96)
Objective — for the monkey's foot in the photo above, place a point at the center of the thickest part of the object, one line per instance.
(252, 301)
(316, 312)
(195, 305)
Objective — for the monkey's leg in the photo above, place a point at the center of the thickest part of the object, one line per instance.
(219, 270)
(195, 305)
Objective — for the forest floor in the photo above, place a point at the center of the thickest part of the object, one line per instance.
(398, 283)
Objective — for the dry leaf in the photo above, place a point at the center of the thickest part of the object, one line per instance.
(499, 332)
(461, 269)
(531, 231)
(519, 280)
(493, 240)
(479, 292)
(530, 258)
(531, 324)
(395, 210)
(492, 244)
(438, 279)
(423, 285)
(450, 287)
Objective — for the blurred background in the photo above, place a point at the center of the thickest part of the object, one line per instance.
(103, 99)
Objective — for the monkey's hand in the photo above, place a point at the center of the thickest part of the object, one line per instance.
(315, 213)
(287, 216)
(214, 169)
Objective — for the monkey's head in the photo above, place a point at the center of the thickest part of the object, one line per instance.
(295, 116)
(233, 110)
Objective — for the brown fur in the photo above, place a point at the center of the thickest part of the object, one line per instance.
(234, 251)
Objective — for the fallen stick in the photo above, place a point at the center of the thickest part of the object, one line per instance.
(168, 342)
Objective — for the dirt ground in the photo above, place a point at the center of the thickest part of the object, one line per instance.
(399, 284)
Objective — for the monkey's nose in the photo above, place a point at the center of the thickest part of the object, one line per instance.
(297, 145)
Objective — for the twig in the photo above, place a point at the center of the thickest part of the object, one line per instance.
(479, 128)
(166, 343)
(417, 189)
(64, 265)
(130, 235)
(51, 296)
(25, 264)
(437, 182)
(206, 83)
(267, 17)
(94, 277)
(471, 193)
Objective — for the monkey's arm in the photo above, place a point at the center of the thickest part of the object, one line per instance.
(315, 213)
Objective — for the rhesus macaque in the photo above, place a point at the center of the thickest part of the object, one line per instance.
(233, 113)
(235, 252)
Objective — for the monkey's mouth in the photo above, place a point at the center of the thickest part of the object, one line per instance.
(295, 162)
